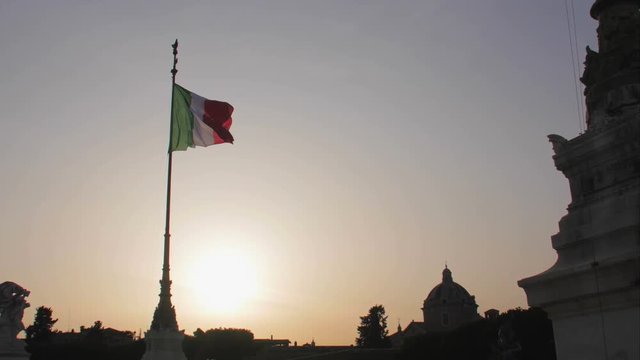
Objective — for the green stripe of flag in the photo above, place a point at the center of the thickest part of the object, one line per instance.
(181, 120)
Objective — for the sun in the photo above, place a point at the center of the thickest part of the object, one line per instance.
(224, 281)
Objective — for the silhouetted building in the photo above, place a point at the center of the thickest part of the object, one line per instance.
(414, 328)
(491, 314)
(272, 342)
(447, 306)
(107, 336)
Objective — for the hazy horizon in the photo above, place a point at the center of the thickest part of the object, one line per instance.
(374, 142)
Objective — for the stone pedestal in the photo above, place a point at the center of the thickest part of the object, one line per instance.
(164, 345)
(592, 292)
(13, 350)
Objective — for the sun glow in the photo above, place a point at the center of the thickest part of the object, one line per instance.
(224, 282)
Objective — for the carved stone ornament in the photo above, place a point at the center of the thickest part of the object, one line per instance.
(612, 74)
(12, 304)
(558, 142)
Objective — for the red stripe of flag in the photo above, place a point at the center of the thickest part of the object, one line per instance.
(217, 115)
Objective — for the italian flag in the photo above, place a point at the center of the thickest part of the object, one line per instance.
(196, 121)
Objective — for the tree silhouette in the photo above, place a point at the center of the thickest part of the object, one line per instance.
(223, 344)
(372, 332)
(94, 333)
(42, 325)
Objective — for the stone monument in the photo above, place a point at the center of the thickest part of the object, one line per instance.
(592, 292)
(12, 304)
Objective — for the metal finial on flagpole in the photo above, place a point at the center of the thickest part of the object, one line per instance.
(174, 71)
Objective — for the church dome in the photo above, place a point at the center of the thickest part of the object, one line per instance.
(448, 305)
(448, 292)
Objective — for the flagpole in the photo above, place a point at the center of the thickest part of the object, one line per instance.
(167, 234)
(164, 317)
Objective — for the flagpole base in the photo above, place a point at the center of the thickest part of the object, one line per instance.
(164, 345)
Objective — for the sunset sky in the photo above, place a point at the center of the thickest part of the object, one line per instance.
(375, 140)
